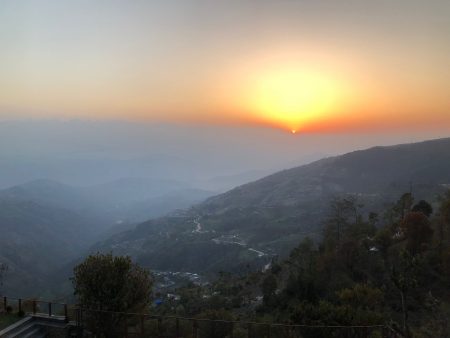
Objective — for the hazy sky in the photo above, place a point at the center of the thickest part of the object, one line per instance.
(326, 66)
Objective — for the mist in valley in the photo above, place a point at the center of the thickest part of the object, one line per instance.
(77, 182)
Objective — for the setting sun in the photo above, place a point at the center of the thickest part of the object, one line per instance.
(291, 97)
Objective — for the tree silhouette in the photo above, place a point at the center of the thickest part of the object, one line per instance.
(423, 207)
(113, 284)
(418, 232)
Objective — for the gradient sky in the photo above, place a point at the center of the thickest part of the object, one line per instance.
(312, 66)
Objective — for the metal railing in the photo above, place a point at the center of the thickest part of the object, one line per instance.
(140, 325)
(37, 307)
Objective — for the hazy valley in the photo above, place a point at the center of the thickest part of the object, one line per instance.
(47, 226)
(251, 224)
(222, 240)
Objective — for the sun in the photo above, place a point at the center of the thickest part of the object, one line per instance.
(292, 97)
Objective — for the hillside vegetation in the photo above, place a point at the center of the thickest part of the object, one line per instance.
(250, 225)
(45, 225)
(391, 268)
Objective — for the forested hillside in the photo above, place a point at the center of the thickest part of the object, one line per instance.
(35, 239)
(253, 223)
(391, 268)
(45, 225)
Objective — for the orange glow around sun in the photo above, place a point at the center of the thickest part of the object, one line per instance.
(291, 98)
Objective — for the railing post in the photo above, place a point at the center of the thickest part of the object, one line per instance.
(126, 326)
(78, 315)
(34, 306)
(249, 330)
(292, 332)
(269, 327)
(66, 314)
(194, 329)
(213, 328)
(231, 330)
(142, 325)
(5, 303)
(177, 327)
(49, 309)
(20, 305)
(159, 326)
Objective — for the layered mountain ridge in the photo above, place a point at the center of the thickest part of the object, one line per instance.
(251, 224)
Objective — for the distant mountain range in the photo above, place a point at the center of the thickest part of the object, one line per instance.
(46, 226)
(83, 152)
(249, 225)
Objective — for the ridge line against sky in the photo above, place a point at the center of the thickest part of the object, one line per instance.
(311, 66)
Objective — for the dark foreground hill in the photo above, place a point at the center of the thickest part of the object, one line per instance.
(247, 226)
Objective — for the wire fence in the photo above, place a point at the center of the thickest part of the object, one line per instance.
(146, 325)
(142, 325)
